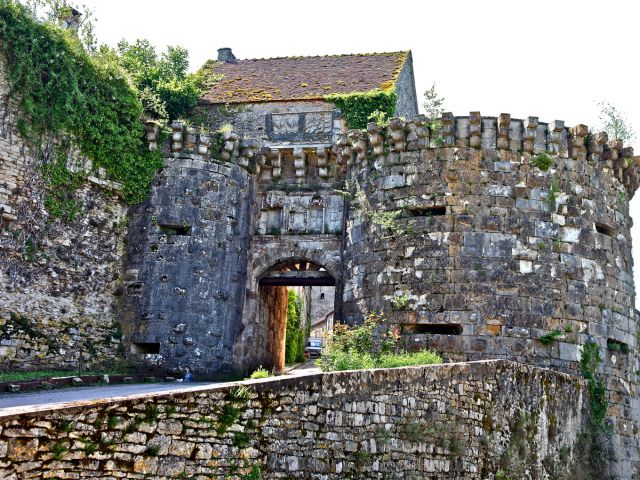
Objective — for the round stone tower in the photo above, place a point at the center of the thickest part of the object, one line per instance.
(499, 238)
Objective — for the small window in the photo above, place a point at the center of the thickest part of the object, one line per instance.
(171, 230)
(145, 348)
(605, 229)
(427, 211)
(431, 329)
(616, 346)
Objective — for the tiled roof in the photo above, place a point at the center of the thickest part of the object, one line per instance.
(303, 78)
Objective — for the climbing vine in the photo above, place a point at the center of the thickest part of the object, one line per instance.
(60, 185)
(594, 439)
(66, 93)
(357, 108)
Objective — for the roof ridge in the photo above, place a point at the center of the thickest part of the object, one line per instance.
(336, 55)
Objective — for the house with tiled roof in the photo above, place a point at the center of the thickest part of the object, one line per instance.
(283, 101)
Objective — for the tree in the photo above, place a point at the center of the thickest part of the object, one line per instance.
(433, 104)
(615, 122)
(433, 107)
(167, 91)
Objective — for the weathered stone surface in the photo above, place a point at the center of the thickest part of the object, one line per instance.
(434, 421)
(59, 279)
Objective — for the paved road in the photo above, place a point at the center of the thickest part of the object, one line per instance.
(29, 401)
(16, 402)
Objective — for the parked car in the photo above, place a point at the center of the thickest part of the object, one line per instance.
(313, 348)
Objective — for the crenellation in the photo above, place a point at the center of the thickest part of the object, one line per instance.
(447, 130)
(504, 122)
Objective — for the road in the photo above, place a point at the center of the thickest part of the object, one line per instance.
(15, 403)
(27, 401)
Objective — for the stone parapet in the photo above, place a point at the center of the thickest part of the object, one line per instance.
(465, 420)
(501, 133)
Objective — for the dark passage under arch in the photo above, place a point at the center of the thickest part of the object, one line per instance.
(272, 304)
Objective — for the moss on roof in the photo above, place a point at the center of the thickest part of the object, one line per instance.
(303, 78)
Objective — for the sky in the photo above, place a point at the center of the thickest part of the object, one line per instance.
(554, 59)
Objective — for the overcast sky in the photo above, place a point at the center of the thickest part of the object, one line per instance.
(549, 58)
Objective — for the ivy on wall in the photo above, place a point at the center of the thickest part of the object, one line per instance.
(357, 108)
(64, 92)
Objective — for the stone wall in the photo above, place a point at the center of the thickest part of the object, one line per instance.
(279, 123)
(186, 265)
(480, 250)
(58, 280)
(407, 102)
(449, 421)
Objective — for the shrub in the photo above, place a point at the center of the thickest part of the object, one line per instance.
(551, 337)
(370, 345)
(404, 359)
(260, 373)
(542, 161)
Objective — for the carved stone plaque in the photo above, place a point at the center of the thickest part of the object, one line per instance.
(318, 122)
(284, 123)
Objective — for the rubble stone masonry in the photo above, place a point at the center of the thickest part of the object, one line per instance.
(58, 280)
(453, 421)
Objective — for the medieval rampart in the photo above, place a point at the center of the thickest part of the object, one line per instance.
(498, 238)
(468, 421)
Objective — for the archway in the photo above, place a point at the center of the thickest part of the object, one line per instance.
(273, 302)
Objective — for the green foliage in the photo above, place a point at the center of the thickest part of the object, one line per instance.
(370, 345)
(615, 122)
(613, 346)
(240, 439)
(260, 373)
(88, 446)
(21, 324)
(240, 394)
(132, 426)
(64, 92)
(357, 108)
(151, 413)
(153, 449)
(58, 449)
(593, 442)
(434, 108)
(166, 90)
(551, 337)
(553, 190)
(66, 426)
(30, 249)
(253, 474)
(401, 302)
(295, 335)
(381, 119)
(388, 222)
(227, 417)
(405, 359)
(542, 161)
(433, 104)
(112, 420)
(60, 187)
